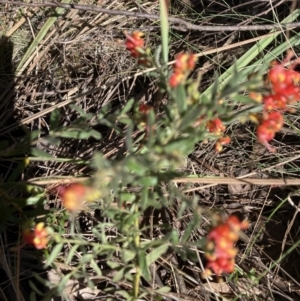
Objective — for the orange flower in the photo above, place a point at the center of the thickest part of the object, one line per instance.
(176, 78)
(185, 62)
(181, 62)
(191, 62)
(256, 96)
(76, 195)
(221, 142)
(220, 251)
(37, 237)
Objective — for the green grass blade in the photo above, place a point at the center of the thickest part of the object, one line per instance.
(42, 33)
(252, 53)
(268, 58)
(164, 31)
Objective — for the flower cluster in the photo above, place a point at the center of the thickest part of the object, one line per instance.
(219, 250)
(284, 91)
(217, 127)
(271, 123)
(37, 237)
(183, 65)
(76, 195)
(135, 43)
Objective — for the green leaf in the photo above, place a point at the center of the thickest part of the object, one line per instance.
(32, 200)
(32, 296)
(156, 56)
(78, 110)
(193, 224)
(156, 253)
(119, 275)
(128, 140)
(62, 283)
(34, 288)
(54, 119)
(40, 153)
(148, 181)
(124, 294)
(71, 254)
(181, 98)
(174, 237)
(86, 258)
(190, 117)
(144, 265)
(16, 172)
(42, 280)
(163, 289)
(113, 265)
(128, 106)
(95, 267)
(81, 134)
(127, 255)
(54, 254)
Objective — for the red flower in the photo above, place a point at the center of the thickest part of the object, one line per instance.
(37, 237)
(215, 126)
(291, 92)
(135, 43)
(284, 92)
(220, 251)
(145, 109)
(184, 63)
(284, 81)
(274, 102)
(270, 125)
(279, 75)
(221, 265)
(272, 122)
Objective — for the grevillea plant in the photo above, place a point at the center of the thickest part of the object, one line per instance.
(124, 188)
(168, 133)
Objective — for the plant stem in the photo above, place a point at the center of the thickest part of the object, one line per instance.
(137, 276)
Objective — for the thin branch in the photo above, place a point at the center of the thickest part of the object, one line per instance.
(215, 180)
(177, 23)
(234, 181)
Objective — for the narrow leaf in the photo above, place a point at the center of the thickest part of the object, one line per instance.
(54, 254)
(156, 253)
